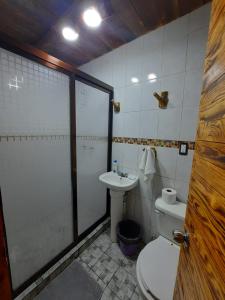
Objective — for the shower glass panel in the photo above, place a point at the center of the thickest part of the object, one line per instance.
(35, 172)
(92, 117)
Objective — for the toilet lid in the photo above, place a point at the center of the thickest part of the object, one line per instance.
(158, 263)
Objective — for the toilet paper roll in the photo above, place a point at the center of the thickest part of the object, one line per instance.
(169, 195)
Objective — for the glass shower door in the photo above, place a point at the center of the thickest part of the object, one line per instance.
(92, 117)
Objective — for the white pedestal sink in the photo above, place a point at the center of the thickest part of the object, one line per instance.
(118, 186)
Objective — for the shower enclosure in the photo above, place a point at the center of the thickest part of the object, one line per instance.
(55, 140)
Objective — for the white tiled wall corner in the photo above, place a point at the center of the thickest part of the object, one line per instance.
(174, 55)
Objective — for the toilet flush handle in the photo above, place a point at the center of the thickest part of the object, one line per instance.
(181, 237)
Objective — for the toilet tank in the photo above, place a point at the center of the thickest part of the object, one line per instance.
(169, 217)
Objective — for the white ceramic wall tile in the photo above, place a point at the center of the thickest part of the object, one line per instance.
(153, 40)
(182, 188)
(132, 95)
(169, 123)
(199, 18)
(148, 124)
(130, 156)
(160, 183)
(118, 67)
(184, 165)
(189, 124)
(166, 162)
(131, 124)
(176, 29)
(133, 57)
(117, 153)
(174, 56)
(147, 100)
(193, 88)
(174, 84)
(196, 49)
(118, 124)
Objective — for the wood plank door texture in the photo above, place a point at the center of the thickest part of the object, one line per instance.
(201, 270)
(5, 279)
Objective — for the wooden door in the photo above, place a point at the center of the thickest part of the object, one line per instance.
(201, 270)
(5, 282)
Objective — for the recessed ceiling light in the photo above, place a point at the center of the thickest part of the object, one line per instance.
(92, 17)
(69, 34)
(134, 80)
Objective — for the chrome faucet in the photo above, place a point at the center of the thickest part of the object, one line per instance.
(121, 174)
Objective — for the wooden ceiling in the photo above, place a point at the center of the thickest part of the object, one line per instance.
(39, 23)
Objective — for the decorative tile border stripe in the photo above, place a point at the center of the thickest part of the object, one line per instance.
(152, 142)
(91, 138)
(53, 272)
(14, 138)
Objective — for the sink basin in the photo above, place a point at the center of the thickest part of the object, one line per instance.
(118, 186)
(117, 183)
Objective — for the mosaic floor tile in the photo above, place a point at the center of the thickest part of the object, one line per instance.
(130, 266)
(103, 242)
(105, 268)
(91, 255)
(93, 275)
(137, 295)
(123, 284)
(115, 253)
(109, 295)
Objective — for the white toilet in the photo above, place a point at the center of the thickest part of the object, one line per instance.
(157, 263)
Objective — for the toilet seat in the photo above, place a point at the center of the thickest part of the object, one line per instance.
(157, 268)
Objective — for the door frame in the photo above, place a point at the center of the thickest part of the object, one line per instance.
(93, 84)
(73, 73)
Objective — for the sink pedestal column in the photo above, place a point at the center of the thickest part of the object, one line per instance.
(116, 211)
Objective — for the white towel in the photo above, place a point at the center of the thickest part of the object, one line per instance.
(150, 164)
(142, 163)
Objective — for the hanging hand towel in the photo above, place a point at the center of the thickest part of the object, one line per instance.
(150, 164)
(142, 163)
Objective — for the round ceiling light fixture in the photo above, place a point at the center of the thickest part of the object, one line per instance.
(92, 17)
(70, 34)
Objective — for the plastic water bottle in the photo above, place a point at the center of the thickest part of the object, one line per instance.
(115, 166)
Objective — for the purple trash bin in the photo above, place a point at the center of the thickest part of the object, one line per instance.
(128, 236)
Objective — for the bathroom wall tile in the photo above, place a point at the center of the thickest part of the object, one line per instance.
(189, 124)
(153, 40)
(118, 67)
(117, 124)
(119, 95)
(174, 84)
(199, 18)
(151, 63)
(131, 124)
(148, 124)
(193, 88)
(169, 124)
(196, 49)
(166, 162)
(130, 156)
(182, 188)
(176, 29)
(184, 165)
(174, 54)
(147, 100)
(133, 57)
(117, 154)
(132, 96)
(159, 183)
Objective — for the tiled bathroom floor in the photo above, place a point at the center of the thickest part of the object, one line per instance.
(115, 273)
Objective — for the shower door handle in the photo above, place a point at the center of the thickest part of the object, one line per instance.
(181, 237)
